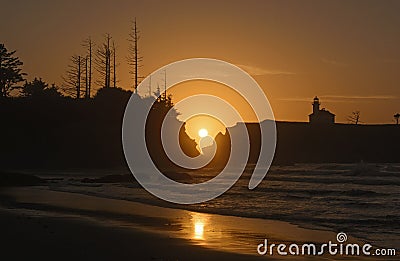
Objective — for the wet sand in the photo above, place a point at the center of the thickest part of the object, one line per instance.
(39, 223)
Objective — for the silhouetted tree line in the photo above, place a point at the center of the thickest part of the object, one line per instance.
(78, 77)
(46, 128)
(68, 133)
(49, 126)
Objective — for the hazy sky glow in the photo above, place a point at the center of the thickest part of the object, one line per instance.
(346, 52)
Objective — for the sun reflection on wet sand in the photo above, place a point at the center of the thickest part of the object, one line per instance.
(223, 233)
(199, 222)
(199, 230)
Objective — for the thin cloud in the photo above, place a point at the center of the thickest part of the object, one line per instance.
(334, 62)
(296, 99)
(342, 98)
(257, 71)
(358, 97)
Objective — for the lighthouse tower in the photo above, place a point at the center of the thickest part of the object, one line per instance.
(316, 105)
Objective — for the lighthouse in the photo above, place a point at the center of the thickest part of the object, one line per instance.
(320, 116)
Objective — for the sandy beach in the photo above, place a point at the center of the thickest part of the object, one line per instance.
(54, 238)
(39, 223)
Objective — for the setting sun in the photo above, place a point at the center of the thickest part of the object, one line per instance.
(203, 133)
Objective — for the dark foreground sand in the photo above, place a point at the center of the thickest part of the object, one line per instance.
(39, 224)
(38, 238)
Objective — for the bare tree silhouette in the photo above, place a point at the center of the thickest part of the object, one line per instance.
(103, 63)
(114, 67)
(354, 118)
(74, 77)
(134, 58)
(396, 117)
(88, 44)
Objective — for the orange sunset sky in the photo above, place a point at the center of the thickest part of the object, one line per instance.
(346, 52)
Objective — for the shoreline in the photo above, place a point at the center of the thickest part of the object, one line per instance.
(236, 237)
(56, 238)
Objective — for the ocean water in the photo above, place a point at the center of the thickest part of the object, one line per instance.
(362, 200)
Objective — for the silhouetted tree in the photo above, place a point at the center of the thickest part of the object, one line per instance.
(103, 62)
(86, 78)
(88, 44)
(163, 99)
(74, 77)
(10, 71)
(112, 98)
(154, 122)
(134, 59)
(157, 93)
(163, 104)
(354, 118)
(34, 88)
(114, 67)
(396, 117)
(39, 88)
